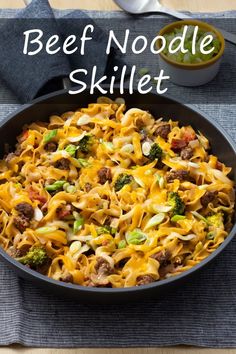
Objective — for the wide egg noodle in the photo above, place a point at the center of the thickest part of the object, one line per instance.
(117, 143)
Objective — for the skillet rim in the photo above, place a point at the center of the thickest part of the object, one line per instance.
(109, 291)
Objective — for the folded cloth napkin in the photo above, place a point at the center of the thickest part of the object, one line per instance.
(30, 76)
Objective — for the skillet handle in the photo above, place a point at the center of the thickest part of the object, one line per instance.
(66, 83)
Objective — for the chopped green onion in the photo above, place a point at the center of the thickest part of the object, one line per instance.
(49, 136)
(69, 188)
(148, 172)
(55, 186)
(135, 237)
(160, 180)
(75, 247)
(120, 100)
(139, 181)
(107, 145)
(46, 229)
(122, 244)
(189, 57)
(71, 149)
(203, 187)
(128, 148)
(143, 71)
(83, 162)
(78, 224)
(65, 185)
(210, 235)
(155, 220)
(76, 215)
(199, 216)
(106, 230)
(113, 231)
(84, 119)
(177, 218)
(156, 208)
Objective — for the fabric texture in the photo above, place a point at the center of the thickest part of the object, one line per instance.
(29, 78)
(201, 313)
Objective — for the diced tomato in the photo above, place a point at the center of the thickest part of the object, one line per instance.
(178, 144)
(24, 136)
(34, 195)
(63, 213)
(189, 134)
(219, 166)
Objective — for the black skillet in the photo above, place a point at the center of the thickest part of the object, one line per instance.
(160, 106)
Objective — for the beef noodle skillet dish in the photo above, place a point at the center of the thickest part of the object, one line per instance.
(109, 197)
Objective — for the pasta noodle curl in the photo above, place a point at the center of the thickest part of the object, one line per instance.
(113, 198)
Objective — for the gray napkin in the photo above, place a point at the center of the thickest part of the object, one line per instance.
(201, 313)
(27, 75)
(31, 76)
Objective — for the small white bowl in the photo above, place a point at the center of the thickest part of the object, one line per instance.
(187, 74)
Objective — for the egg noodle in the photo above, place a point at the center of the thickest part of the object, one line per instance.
(112, 197)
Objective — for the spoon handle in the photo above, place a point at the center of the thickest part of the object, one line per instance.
(230, 37)
(174, 13)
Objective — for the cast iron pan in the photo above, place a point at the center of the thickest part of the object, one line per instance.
(160, 106)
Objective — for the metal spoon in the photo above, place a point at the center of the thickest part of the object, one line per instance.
(145, 6)
(139, 7)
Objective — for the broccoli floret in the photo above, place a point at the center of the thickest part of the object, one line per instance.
(106, 229)
(216, 220)
(177, 204)
(155, 153)
(122, 180)
(36, 256)
(85, 144)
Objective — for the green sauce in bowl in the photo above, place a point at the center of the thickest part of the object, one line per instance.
(189, 57)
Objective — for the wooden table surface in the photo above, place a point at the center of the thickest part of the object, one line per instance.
(191, 5)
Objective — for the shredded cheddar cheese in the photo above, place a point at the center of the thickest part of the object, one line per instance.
(113, 197)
